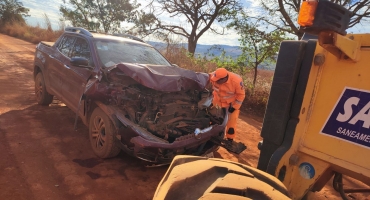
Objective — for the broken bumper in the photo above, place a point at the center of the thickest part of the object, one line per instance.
(159, 152)
(150, 148)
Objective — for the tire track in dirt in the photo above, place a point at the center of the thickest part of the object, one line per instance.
(31, 157)
(62, 164)
(17, 96)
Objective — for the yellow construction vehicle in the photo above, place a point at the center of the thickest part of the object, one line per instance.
(316, 125)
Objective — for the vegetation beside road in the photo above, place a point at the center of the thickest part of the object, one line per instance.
(33, 34)
(12, 22)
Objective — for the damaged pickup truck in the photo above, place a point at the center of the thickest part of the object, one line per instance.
(129, 95)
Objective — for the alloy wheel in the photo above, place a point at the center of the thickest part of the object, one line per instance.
(98, 132)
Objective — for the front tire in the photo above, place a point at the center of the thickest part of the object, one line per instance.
(101, 134)
(42, 96)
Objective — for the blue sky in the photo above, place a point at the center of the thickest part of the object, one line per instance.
(51, 8)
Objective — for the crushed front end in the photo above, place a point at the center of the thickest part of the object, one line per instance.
(160, 116)
(159, 125)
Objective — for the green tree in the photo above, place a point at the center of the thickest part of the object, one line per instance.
(199, 14)
(99, 15)
(258, 45)
(12, 11)
(283, 14)
(144, 24)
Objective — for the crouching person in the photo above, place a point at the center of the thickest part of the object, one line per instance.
(228, 93)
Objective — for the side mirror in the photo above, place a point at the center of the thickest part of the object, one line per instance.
(174, 65)
(80, 62)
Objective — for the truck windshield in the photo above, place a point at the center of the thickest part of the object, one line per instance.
(114, 52)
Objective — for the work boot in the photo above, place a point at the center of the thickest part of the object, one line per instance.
(229, 142)
(232, 146)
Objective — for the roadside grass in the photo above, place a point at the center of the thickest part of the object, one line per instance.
(257, 103)
(33, 34)
(254, 104)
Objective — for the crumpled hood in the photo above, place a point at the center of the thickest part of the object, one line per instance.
(165, 78)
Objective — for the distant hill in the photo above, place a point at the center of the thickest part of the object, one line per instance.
(206, 50)
(213, 51)
(216, 50)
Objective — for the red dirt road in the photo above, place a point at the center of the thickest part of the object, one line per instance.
(42, 157)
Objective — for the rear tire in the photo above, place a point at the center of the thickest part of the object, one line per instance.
(42, 96)
(101, 134)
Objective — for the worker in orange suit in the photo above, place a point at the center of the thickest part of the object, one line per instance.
(228, 93)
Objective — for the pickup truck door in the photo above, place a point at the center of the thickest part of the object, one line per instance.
(56, 65)
(77, 77)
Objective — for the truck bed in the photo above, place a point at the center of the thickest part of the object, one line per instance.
(49, 44)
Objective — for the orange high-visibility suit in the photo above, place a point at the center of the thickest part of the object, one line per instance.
(230, 93)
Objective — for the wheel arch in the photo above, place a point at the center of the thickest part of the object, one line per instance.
(36, 69)
(91, 106)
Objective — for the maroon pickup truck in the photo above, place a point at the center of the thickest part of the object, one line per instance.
(129, 95)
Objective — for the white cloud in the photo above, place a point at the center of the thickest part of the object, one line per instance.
(39, 7)
(229, 38)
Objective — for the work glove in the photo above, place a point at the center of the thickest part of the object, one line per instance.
(231, 109)
(215, 105)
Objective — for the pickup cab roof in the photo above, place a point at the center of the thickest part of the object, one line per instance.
(49, 44)
(117, 38)
(94, 34)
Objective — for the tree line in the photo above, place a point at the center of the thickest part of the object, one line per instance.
(261, 30)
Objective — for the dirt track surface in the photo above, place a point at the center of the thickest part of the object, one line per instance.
(42, 157)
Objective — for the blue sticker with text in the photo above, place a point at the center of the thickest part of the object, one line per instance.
(350, 118)
(306, 170)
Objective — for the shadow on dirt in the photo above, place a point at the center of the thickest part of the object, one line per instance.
(256, 122)
(49, 142)
(88, 163)
(13, 183)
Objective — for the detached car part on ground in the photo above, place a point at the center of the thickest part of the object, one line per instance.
(130, 96)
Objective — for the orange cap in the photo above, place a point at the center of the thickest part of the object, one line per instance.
(218, 74)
